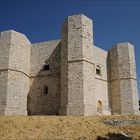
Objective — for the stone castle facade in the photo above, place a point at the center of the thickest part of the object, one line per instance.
(70, 76)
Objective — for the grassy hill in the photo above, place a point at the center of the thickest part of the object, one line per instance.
(65, 128)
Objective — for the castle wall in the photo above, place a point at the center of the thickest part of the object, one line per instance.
(17, 90)
(5, 38)
(4, 59)
(101, 80)
(40, 102)
(88, 66)
(3, 90)
(64, 69)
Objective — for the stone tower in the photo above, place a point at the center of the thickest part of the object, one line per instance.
(122, 76)
(77, 67)
(14, 72)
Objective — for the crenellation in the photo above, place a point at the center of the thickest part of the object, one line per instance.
(68, 76)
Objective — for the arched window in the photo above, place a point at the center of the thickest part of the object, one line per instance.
(99, 107)
(98, 70)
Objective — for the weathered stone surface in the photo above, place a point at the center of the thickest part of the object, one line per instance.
(123, 85)
(15, 65)
(77, 67)
(101, 80)
(70, 76)
(38, 101)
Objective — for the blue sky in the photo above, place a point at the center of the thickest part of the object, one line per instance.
(114, 21)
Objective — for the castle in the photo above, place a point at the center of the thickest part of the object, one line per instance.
(70, 76)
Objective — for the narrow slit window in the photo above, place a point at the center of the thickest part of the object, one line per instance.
(46, 90)
(98, 70)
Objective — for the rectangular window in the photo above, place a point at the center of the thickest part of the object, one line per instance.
(46, 90)
(98, 71)
(46, 67)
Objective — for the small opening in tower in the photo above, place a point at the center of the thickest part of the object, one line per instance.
(46, 90)
(46, 67)
(98, 70)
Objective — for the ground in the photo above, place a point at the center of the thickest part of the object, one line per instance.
(64, 127)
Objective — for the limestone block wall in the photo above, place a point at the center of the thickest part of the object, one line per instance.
(40, 102)
(3, 90)
(17, 66)
(88, 66)
(101, 80)
(19, 57)
(17, 91)
(4, 59)
(89, 89)
(64, 69)
(71, 73)
(76, 60)
(123, 82)
(5, 38)
(40, 54)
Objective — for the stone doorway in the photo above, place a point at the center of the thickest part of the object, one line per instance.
(99, 108)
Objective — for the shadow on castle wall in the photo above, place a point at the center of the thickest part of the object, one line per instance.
(109, 83)
(44, 94)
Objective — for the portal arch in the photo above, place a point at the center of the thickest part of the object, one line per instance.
(99, 107)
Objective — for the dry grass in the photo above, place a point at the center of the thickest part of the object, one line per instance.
(63, 127)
